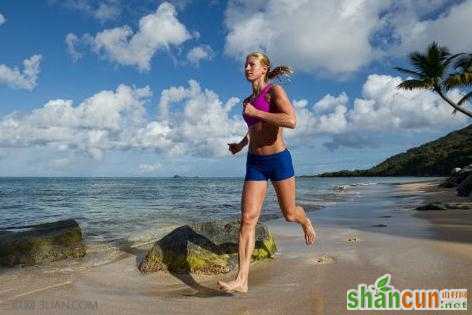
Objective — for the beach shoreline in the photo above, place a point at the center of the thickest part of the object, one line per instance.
(357, 242)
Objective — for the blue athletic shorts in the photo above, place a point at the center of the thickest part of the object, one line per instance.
(277, 166)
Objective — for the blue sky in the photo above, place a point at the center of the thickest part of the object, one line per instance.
(154, 88)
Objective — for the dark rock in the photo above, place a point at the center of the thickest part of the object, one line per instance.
(449, 183)
(207, 248)
(465, 187)
(433, 206)
(42, 243)
(457, 178)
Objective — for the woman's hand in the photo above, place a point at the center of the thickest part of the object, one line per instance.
(235, 147)
(249, 109)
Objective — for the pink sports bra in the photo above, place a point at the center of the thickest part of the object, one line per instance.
(260, 103)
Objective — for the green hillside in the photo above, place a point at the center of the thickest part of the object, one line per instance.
(435, 158)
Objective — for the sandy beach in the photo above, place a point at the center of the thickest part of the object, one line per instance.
(357, 242)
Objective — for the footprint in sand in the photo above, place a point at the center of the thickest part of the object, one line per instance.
(324, 260)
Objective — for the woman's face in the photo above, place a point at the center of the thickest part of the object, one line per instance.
(253, 69)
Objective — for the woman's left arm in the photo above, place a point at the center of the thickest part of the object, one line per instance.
(285, 117)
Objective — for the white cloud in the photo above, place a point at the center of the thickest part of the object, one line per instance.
(328, 36)
(199, 53)
(104, 10)
(21, 79)
(71, 41)
(327, 116)
(328, 102)
(384, 107)
(193, 121)
(107, 11)
(94, 126)
(157, 31)
(201, 124)
(414, 32)
(198, 125)
(340, 37)
(382, 110)
(2, 19)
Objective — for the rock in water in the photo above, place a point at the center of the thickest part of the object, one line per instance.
(205, 248)
(465, 187)
(42, 243)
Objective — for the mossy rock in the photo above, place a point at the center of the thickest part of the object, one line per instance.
(205, 248)
(42, 243)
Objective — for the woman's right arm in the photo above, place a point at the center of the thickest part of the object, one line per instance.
(244, 141)
(236, 147)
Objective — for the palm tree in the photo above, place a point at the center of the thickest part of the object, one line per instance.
(430, 73)
(463, 77)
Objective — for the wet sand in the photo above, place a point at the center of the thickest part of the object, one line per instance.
(357, 241)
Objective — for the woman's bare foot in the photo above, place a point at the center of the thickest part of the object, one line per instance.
(310, 234)
(232, 286)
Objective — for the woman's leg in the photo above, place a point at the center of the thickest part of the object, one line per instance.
(285, 190)
(252, 199)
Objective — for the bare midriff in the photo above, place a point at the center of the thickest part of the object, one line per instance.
(265, 139)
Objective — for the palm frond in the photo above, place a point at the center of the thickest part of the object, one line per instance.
(451, 58)
(411, 72)
(414, 84)
(459, 79)
(434, 63)
(464, 63)
(419, 61)
(464, 98)
(434, 51)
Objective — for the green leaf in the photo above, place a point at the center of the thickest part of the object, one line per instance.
(382, 281)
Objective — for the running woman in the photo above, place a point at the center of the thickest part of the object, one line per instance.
(266, 112)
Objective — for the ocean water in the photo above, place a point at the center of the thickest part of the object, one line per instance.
(141, 209)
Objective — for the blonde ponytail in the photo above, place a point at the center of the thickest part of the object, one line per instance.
(279, 71)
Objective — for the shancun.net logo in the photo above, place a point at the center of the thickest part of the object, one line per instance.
(383, 296)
